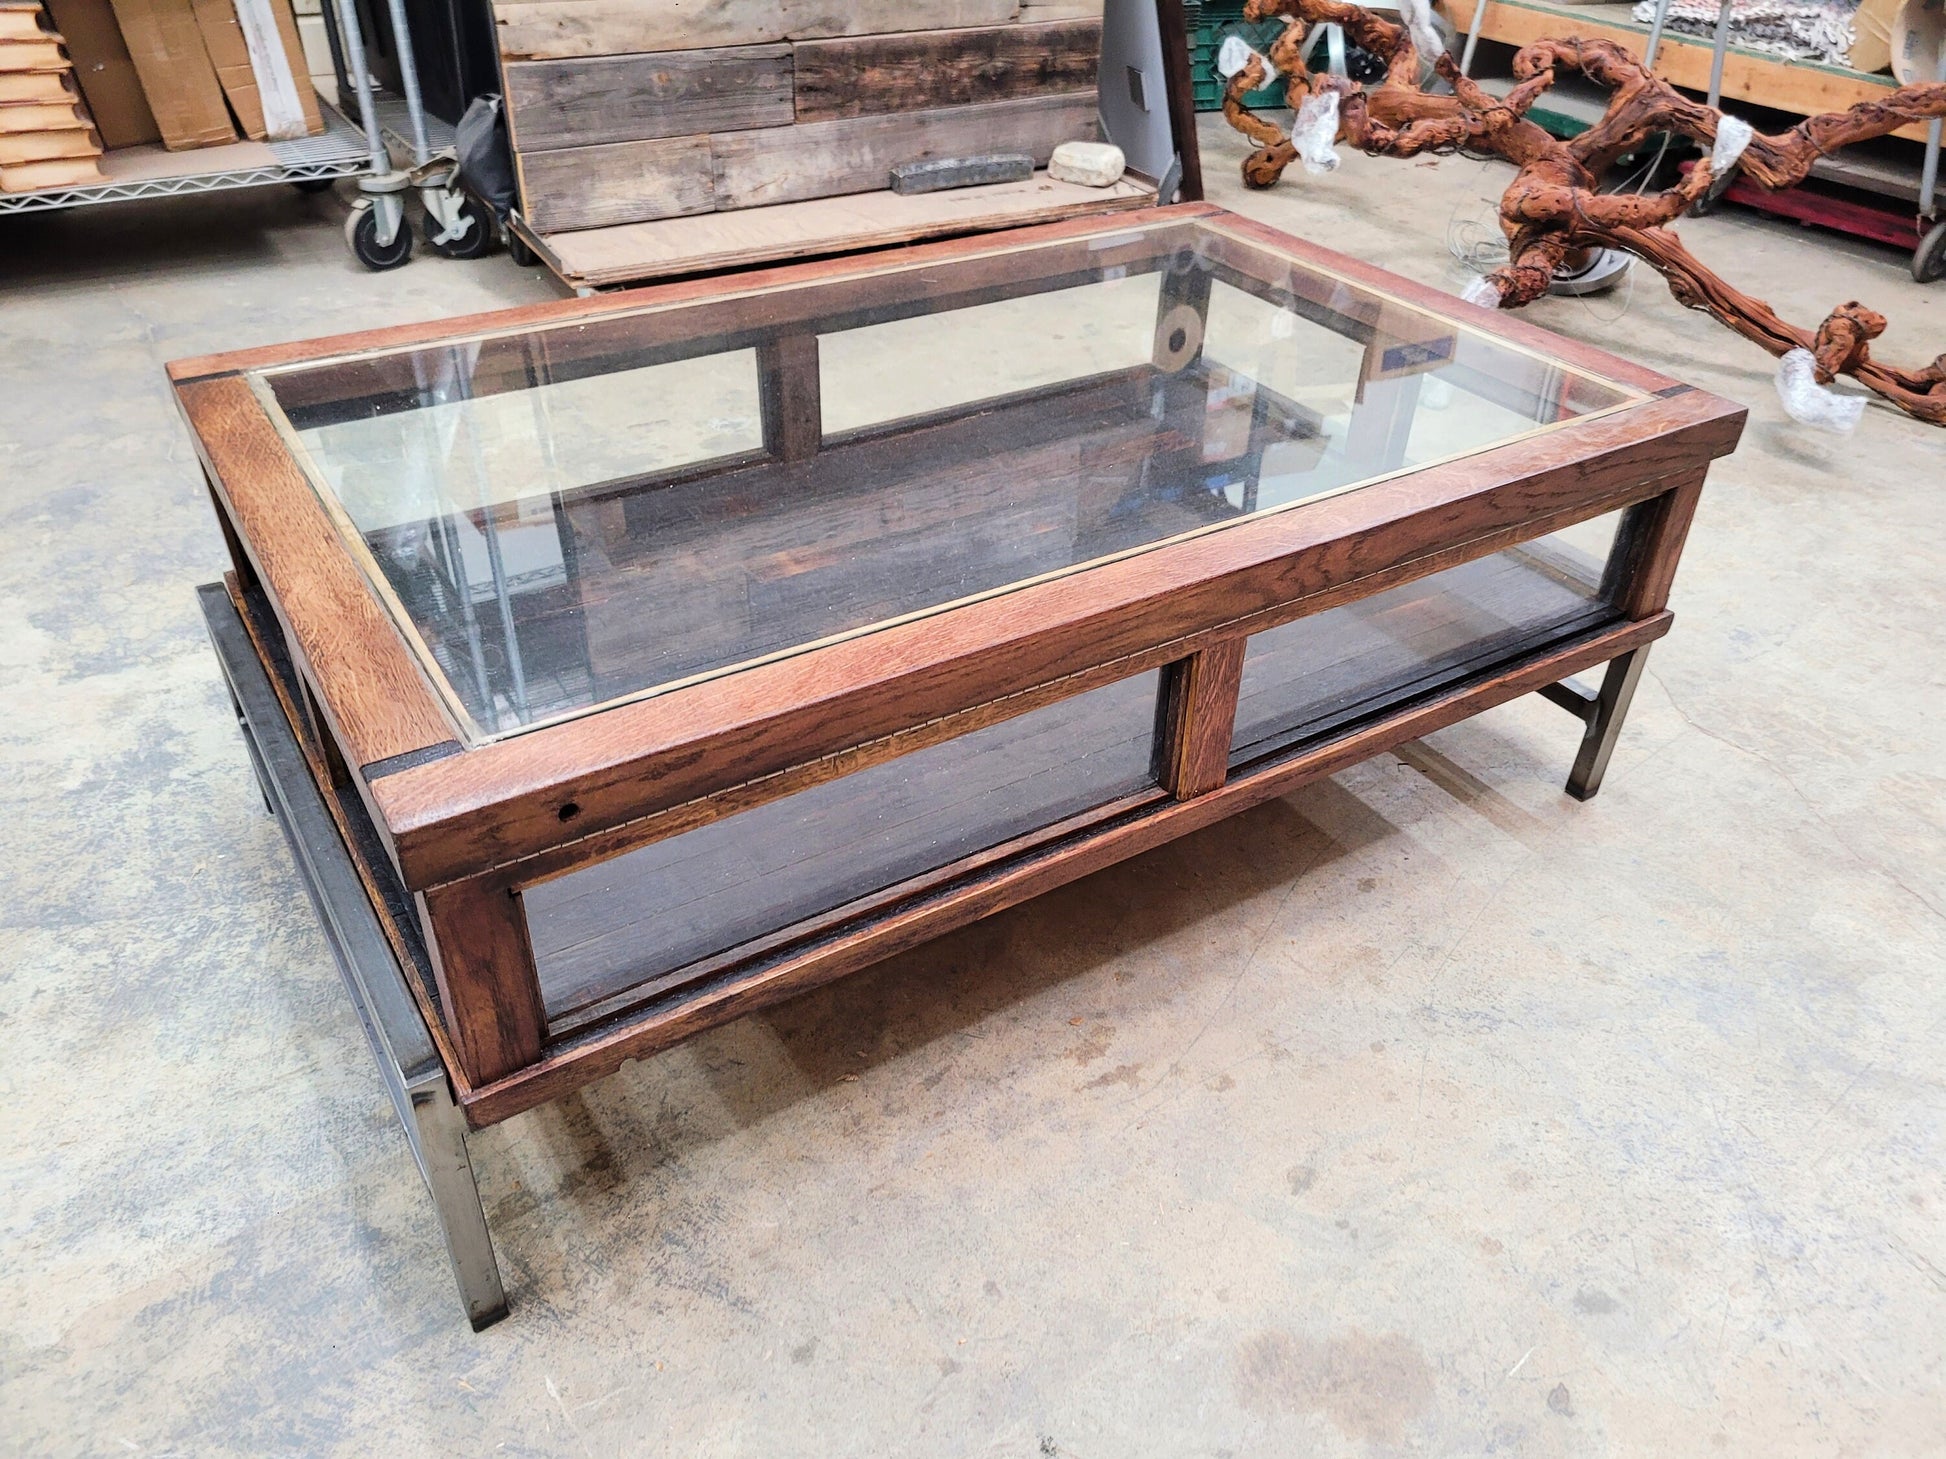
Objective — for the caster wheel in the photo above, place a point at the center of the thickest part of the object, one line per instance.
(519, 252)
(361, 232)
(1929, 258)
(314, 184)
(475, 242)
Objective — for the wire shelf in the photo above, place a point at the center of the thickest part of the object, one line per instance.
(338, 151)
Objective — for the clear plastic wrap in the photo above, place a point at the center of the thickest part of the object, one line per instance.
(1732, 136)
(1315, 129)
(1426, 40)
(1807, 401)
(1480, 291)
(1235, 53)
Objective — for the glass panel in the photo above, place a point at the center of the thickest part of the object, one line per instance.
(1317, 674)
(566, 517)
(980, 352)
(627, 922)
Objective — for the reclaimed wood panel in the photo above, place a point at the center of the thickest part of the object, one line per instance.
(921, 70)
(635, 98)
(617, 182)
(544, 29)
(826, 159)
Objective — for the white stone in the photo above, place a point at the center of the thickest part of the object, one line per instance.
(1092, 164)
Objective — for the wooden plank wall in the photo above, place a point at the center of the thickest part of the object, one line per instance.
(626, 111)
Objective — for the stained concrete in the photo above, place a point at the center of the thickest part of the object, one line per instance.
(1424, 1111)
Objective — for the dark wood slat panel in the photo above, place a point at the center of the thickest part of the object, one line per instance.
(1651, 541)
(539, 28)
(610, 927)
(635, 98)
(824, 159)
(789, 396)
(920, 70)
(618, 182)
(997, 886)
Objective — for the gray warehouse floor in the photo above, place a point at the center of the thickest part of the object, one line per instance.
(1424, 1111)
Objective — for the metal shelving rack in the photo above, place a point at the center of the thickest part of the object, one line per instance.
(149, 172)
(376, 231)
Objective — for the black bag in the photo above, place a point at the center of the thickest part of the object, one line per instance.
(486, 162)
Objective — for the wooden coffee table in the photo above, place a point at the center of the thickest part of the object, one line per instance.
(623, 665)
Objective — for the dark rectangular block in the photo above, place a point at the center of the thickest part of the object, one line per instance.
(948, 172)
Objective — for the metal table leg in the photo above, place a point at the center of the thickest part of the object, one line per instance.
(1602, 711)
(408, 1062)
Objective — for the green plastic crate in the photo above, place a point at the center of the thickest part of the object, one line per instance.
(1210, 23)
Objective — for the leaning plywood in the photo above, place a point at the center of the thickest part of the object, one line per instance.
(673, 246)
(868, 75)
(823, 159)
(619, 182)
(542, 29)
(633, 98)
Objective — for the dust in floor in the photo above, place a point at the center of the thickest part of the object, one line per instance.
(1425, 1110)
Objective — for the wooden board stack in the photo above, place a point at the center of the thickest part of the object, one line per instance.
(627, 111)
(46, 137)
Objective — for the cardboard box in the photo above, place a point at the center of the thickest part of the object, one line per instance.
(38, 86)
(107, 76)
(44, 116)
(276, 64)
(41, 55)
(34, 176)
(19, 147)
(20, 22)
(177, 76)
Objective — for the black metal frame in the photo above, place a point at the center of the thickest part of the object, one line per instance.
(408, 1061)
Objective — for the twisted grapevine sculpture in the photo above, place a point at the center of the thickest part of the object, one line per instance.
(1552, 212)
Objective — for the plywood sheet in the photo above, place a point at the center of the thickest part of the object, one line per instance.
(633, 98)
(823, 159)
(827, 225)
(915, 70)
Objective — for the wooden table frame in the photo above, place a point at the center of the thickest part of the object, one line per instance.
(445, 835)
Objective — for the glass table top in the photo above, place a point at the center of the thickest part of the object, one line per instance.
(566, 517)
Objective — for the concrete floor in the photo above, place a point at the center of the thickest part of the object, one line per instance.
(1424, 1111)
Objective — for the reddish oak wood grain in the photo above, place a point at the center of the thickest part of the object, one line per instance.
(502, 801)
(488, 989)
(373, 694)
(1198, 715)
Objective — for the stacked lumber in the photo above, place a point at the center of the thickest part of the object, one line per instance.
(46, 136)
(629, 111)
